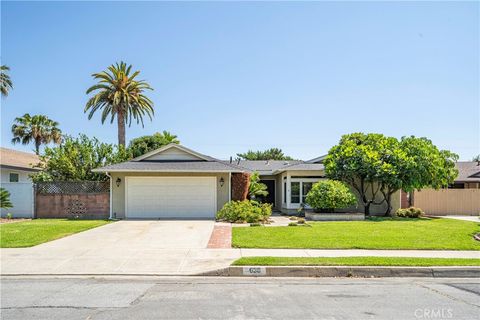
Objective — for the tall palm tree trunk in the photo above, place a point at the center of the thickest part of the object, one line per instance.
(121, 128)
(38, 142)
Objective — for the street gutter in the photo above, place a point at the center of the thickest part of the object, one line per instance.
(346, 271)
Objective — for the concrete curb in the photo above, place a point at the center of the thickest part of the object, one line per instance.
(346, 271)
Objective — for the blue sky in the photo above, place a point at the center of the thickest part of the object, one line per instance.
(232, 76)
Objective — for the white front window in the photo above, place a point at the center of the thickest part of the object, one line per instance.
(296, 191)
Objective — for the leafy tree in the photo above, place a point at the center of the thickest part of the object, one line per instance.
(119, 94)
(74, 159)
(270, 154)
(476, 158)
(142, 145)
(5, 81)
(330, 195)
(5, 199)
(256, 188)
(38, 128)
(355, 161)
(375, 165)
(418, 164)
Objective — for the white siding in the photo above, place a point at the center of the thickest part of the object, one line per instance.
(21, 196)
(173, 154)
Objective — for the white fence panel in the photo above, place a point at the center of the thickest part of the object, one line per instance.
(21, 196)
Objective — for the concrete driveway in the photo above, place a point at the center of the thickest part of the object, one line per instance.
(124, 247)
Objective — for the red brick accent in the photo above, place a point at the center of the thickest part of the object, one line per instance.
(55, 205)
(221, 238)
(404, 199)
(240, 184)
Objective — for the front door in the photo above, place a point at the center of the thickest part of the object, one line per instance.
(270, 198)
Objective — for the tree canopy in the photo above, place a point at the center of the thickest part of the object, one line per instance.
(5, 81)
(144, 144)
(38, 129)
(374, 165)
(118, 94)
(269, 154)
(74, 159)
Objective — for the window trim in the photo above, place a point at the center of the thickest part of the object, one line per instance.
(10, 177)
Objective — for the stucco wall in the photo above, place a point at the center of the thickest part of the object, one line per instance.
(118, 193)
(23, 176)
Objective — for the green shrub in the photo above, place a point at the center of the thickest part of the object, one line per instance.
(5, 202)
(411, 212)
(245, 211)
(330, 195)
(292, 224)
(301, 221)
(9, 216)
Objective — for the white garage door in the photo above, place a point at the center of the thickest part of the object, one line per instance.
(170, 197)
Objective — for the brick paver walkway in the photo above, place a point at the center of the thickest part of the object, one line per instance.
(221, 237)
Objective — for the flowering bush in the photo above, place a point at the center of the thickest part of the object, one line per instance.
(245, 211)
(411, 212)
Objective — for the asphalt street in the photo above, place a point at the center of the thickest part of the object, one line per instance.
(238, 298)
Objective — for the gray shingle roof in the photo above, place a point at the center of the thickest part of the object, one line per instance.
(171, 166)
(265, 167)
(302, 166)
(468, 171)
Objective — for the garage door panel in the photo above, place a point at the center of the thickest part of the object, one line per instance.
(167, 197)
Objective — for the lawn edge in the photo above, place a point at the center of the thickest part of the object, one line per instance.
(108, 221)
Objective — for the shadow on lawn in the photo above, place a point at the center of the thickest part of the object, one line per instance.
(384, 219)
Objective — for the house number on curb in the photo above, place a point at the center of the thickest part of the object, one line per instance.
(254, 271)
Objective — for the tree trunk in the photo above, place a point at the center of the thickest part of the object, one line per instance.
(411, 200)
(388, 199)
(38, 142)
(121, 128)
(367, 208)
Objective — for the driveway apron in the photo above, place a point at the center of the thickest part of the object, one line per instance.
(124, 247)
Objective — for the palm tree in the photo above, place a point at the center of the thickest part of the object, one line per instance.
(39, 129)
(119, 95)
(5, 202)
(169, 137)
(5, 81)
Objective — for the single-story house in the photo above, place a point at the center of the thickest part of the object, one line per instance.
(177, 182)
(16, 168)
(462, 197)
(468, 175)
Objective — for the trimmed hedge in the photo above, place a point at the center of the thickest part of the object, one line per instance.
(330, 195)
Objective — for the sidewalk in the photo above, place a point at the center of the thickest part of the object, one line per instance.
(176, 261)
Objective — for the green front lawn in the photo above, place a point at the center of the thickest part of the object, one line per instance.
(33, 232)
(354, 261)
(377, 233)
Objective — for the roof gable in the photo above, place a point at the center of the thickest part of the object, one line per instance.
(173, 152)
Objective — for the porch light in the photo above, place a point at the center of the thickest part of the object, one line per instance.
(222, 182)
(118, 182)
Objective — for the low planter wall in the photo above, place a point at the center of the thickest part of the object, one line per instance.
(335, 216)
(93, 206)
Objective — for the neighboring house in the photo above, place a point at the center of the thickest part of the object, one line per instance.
(468, 175)
(177, 182)
(15, 167)
(461, 198)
